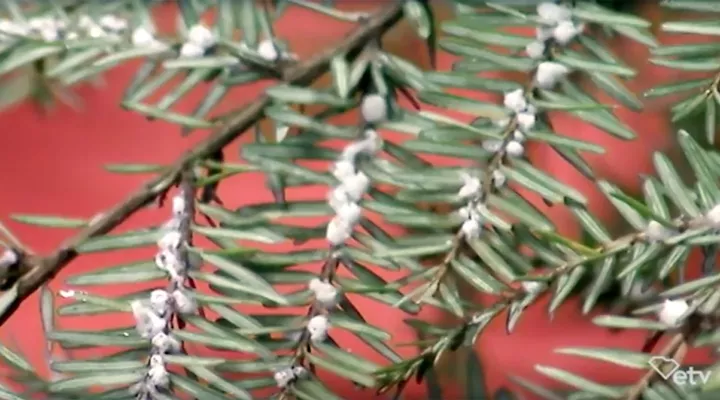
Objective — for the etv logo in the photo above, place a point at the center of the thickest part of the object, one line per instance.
(669, 369)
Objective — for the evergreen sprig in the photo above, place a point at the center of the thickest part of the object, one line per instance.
(494, 241)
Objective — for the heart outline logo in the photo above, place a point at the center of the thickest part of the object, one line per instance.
(658, 362)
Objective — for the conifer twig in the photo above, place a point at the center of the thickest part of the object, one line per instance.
(302, 73)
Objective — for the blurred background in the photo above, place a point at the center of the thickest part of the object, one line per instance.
(51, 162)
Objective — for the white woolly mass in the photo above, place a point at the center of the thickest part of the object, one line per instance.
(185, 302)
(96, 32)
(288, 375)
(268, 51)
(535, 49)
(166, 260)
(492, 145)
(713, 216)
(284, 377)
(533, 286)
(157, 373)
(471, 228)
(526, 119)
(519, 136)
(471, 191)
(163, 343)
(337, 198)
(343, 169)
(551, 13)
(47, 27)
(566, 31)
(356, 185)
(191, 50)
(371, 144)
(147, 323)
(10, 28)
(555, 23)
(549, 73)
(374, 108)
(353, 186)
(170, 241)
(159, 301)
(299, 371)
(498, 178)
(51, 29)
(318, 327)
(153, 315)
(143, 38)
(471, 186)
(515, 100)
(201, 36)
(655, 232)
(178, 205)
(350, 213)
(113, 23)
(672, 311)
(325, 292)
(338, 231)
(514, 149)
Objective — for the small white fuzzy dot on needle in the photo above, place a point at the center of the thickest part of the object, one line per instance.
(141, 37)
(535, 50)
(268, 51)
(514, 149)
(499, 179)
(549, 73)
(191, 50)
(551, 13)
(318, 328)
(492, 145)
(201, 36)
(657, 232)
(170, 240)
(471, 228)
(713, 216)
(526, 120)
(325, 292)
(565, 31)
(532, 286)
(164, 343)
(374, 108)
(184, 302)
(113, 23)
(515, 100)
(672, 311)
(471, 186)
(338, 231)
(178, 205)
(284, 377)
(159, 300)
(157, 373)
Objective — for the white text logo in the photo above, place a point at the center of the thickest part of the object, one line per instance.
(669, 369)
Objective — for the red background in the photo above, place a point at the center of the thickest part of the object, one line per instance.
(53, 165)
